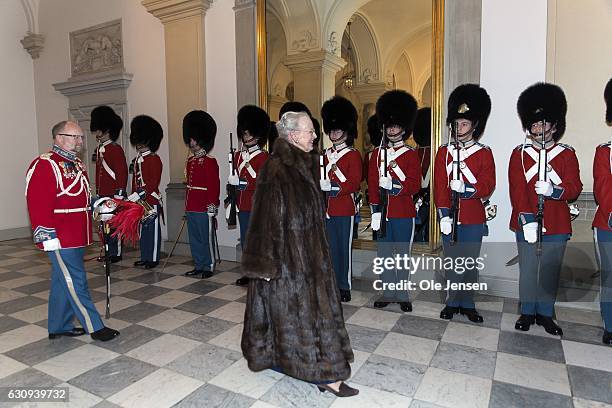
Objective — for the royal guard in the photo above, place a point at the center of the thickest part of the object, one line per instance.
(375, 138)
(422, 138)
(111, 166)
(203, 188)
(340, 180)
(464, 178)
(252, 129)
(544, 176)
(146, 135)
(59, 205)
(602, 224)
(394, 176)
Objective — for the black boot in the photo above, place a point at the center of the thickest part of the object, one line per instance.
(524, 322)
(140, 263)
(206, 274)
(151, 264)
(549, 325)
(406, 306)
(193, 272)
(379, 304)
(448, 312)
(472, 314)
(104, 334)
(242, 281)
(345, 295)
(115, 259)
(77, 331)
(607, 338)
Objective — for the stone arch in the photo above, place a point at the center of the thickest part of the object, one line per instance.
(367, 49)
(338, 16)
(30, 8)
(300, 22)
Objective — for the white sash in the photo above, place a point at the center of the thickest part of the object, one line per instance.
(101, 150)
(465, 171)
(550, 174)
(393, 155)
(332, 158)
(246, 158)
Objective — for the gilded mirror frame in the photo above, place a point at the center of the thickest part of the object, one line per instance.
(437, 109)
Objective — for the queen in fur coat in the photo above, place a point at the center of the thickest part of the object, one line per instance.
(293, 319)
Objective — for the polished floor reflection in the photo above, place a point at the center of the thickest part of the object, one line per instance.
(180, 346)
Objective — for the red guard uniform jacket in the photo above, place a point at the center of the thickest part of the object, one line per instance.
(404, 168)
(248, 164)
(58, 199)
(476, 169)
(147, 175)
(203, 185)
(602, 187)
(343, 169)
(111, 169)
(563, 173)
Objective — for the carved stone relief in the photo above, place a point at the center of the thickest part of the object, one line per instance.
(97, 48)
(305, 42)
(367, 76)
(332, 43)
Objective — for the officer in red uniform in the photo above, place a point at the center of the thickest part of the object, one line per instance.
(395, 184)
(58, 198)
(252, 129)
(464, 177)
(202, 190)
(422, 137)
(146, 135)
(555, 180)
(111, 166)
(602, 224)
(340, 180)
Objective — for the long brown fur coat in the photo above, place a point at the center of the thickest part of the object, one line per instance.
(293, 321)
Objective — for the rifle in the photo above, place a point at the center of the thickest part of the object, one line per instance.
(322, 159)
(231, 199)
(542, 163)
(384, 194)
(455, 203)
(105, 237)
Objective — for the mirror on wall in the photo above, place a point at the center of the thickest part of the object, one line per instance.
(355, 49)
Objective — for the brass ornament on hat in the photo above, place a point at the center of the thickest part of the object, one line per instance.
(463, 108)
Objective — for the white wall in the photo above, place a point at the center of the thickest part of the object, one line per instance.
(513, 56)
(143, 48)
(221, 93)
(18, 117)
(581, 63)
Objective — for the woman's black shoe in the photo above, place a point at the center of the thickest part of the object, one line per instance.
(524, 322)
(607, 338)
(77, 331)
(193, 272)
(549, 325)
(345, 295)
(471, 314)
(140, 263)
(242, 281)
(406, 306)
(379, 304)
(343, 391)
(448, 312)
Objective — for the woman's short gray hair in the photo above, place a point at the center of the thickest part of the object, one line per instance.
(288, 122)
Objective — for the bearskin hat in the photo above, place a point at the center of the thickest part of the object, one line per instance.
(317, 129)
(338, 113)
(144, 130)
(608, 99)
(292, 106)
(397, 107)
(543, 101)
(374, 131)
(422, 127)
(105, 119)
(272, 135)
(201, 127)
(256, 121)
(471, 102)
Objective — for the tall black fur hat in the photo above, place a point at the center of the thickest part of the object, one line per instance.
(422, 127)
(272, 135)
(293, 106)
(201, 127)
(338, 113)
(105, 119)
(397, 107)
(256, 121)
(471, 102)
(146, 131)
(543, 101)
(608, 99)
(374, 131)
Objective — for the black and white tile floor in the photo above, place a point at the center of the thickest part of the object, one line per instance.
(180, 346)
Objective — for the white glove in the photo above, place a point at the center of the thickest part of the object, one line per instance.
(458, 186)
(325, 184)
(446, 225)
(530, 230)
(51, 245)
(544, 187)
(105, 217)
(385, 182)
(376, 217)
(233, 179)
(134, 197)
(211, 210)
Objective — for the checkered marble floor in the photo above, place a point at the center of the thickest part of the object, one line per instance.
(180, 346)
